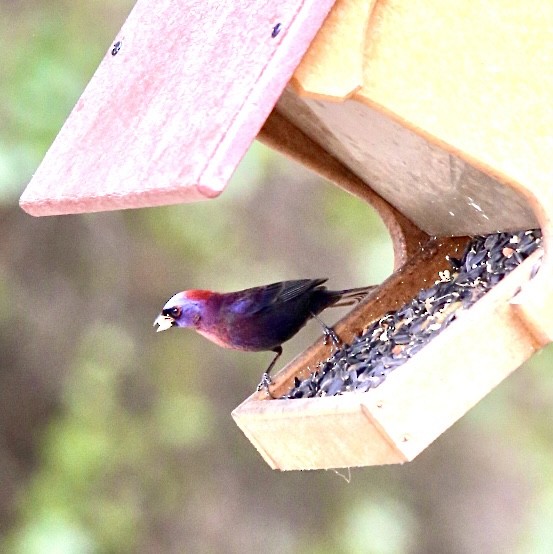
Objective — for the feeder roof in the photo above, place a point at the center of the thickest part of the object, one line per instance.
(174, 105)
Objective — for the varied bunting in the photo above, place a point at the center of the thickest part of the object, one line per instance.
(259, 318)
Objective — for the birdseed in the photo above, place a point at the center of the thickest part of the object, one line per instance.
(397, 336)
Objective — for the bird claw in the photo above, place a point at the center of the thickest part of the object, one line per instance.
(330, 335)
(265, 383)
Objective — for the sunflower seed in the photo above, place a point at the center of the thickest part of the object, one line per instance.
(389, 342)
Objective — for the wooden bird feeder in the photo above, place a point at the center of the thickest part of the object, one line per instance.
(437, 113)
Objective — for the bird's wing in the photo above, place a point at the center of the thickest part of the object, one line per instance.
(291, 289)
(259, 298)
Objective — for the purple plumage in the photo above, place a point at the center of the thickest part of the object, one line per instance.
(255, 319)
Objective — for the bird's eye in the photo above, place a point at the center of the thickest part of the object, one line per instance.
(174, 312)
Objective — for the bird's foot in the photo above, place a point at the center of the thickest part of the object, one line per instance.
(330, 335)
(265, 383)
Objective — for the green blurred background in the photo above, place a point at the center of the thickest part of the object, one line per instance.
(115, 439)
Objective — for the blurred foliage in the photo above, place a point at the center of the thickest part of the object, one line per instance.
(116, 439)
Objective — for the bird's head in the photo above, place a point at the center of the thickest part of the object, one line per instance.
(182, 310)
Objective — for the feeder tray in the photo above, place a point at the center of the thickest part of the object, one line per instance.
(418, 401)
(437, 114)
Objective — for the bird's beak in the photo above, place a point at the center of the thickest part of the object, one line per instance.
(164, 322)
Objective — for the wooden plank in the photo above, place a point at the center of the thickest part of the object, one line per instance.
(168, 118)
(316, 433)
(441, 191)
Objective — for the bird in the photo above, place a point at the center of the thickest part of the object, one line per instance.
(257, 319)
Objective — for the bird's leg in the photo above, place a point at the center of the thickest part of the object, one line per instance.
(265, 378)
(329, 333)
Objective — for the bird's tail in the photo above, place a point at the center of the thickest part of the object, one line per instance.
(349, 297)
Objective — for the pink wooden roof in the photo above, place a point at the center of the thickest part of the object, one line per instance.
(169, 116)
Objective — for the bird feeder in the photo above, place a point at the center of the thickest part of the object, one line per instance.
(437, 113)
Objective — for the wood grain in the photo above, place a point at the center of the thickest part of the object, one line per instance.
(169, 117)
